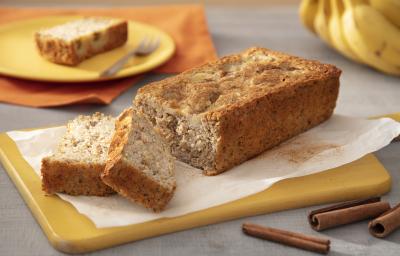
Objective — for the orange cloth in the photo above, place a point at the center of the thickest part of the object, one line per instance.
(185, 23)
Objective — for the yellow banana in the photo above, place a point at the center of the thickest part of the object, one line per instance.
(355, 22)
(389, 8)
(321, 21)
(335, 30)
(307, 11)
(381, 36)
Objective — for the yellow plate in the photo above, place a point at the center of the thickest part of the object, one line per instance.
(71, 232)
(20, 58)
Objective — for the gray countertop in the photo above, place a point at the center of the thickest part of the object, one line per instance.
(364, 92)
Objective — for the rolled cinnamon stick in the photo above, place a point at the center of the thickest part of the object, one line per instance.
(345, 213)
(386, 223)
(306, 242)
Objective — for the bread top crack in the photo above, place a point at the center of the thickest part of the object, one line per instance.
(234, 80)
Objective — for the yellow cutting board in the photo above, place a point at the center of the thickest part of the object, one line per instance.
(71, 232)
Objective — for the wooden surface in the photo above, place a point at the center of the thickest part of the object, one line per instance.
(364, 92)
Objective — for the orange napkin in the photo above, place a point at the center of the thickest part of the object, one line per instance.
(185, 23)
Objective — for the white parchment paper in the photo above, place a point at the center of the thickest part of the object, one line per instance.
(336, 142)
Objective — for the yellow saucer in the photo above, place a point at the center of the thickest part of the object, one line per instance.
(20, 58)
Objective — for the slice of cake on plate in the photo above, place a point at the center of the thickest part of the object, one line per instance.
(75, 41)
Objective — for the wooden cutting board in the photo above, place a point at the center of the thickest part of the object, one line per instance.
(71, 232)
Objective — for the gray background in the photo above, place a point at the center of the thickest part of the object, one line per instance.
(364, 92)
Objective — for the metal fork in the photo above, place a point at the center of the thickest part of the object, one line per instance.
(146, 46)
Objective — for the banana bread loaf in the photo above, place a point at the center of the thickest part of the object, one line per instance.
(75, 41)
(80, 158)
(139, 165)
(222, 113)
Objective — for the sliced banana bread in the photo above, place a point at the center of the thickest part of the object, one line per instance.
(80, 158)
(222, 113)
(75, 41)
(139, 165)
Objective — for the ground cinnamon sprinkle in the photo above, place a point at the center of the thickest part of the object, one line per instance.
(304, 153)
(301, 149)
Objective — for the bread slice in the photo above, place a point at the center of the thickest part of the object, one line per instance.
(139, 165)
(80, 158)
(75, 41)
(222, 113)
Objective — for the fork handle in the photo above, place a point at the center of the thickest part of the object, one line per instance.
(118, 65)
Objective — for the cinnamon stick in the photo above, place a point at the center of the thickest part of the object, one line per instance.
(386, 223)
(306, 242)
(345, 213)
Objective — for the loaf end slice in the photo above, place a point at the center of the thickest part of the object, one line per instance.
(76, 165)
(139, 165)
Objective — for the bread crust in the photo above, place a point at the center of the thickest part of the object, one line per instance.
(127, 180)
(138, 188)
(269, 110)
(248, 129)
(73, 178)
(65, 52)
(263, 123)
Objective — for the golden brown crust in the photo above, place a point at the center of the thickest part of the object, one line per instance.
(73, 178)
(57, 51)
(65, 52)
(253, 100)
(219, 85)
(267, 121)
(127, 180)
(135, 186)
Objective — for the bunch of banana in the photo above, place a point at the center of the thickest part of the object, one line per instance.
(366, 31)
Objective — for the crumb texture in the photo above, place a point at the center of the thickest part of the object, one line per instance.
(78, 28)
(87, 139)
